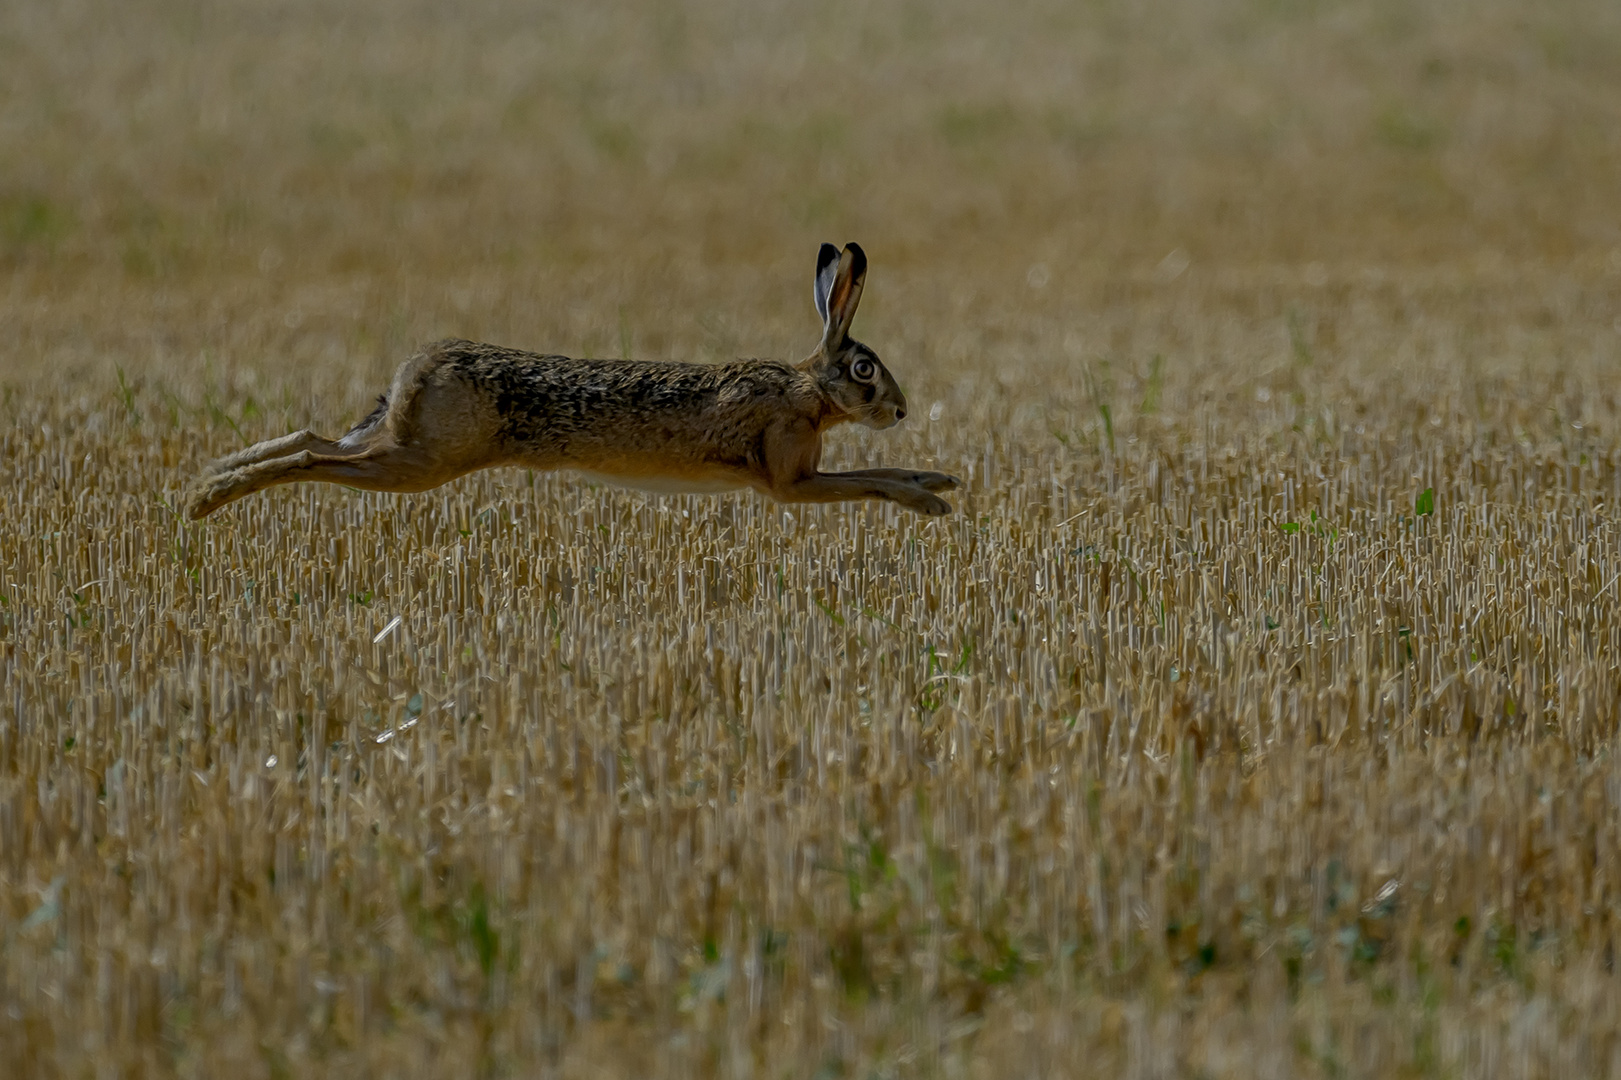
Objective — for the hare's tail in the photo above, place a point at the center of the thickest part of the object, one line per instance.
(396, 411)
(399, 411)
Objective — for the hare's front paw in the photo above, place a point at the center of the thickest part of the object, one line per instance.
(924, 503)
(936, 481)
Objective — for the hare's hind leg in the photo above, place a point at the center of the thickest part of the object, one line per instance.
(271, 449)
(389, 469)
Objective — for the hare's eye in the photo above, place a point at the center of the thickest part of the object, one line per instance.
(863, 369)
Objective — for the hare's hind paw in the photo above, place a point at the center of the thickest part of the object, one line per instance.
(200, 501)
(208, 493)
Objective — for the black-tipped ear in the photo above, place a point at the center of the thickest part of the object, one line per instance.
(843, 297)
(858, 264)
(827, 261)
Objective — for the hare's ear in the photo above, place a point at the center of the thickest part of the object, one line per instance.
(843, 296)
(827, 264)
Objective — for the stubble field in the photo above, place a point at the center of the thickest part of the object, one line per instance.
(1255, 716)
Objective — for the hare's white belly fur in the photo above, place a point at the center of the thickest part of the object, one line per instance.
(666, 485)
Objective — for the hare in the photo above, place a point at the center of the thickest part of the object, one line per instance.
(460, 406)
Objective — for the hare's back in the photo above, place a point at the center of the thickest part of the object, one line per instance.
(618, 414)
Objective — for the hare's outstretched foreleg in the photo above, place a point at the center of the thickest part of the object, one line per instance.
(928, 481)
(791, 452)
(271, 449)
(846, 487)
(378, 470)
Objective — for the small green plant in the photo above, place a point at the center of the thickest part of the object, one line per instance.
(1297, 340)
(476, 923)
(938, 677)
(1314, 524)
(126, 396)
(1156, 382)
(827, 609)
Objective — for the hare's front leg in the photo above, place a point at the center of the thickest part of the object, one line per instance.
(792, 452)
(928, 481)
(847, 487)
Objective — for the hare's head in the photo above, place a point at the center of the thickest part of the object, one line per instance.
(851, 377)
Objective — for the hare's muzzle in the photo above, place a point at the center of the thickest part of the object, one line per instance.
(883, 417)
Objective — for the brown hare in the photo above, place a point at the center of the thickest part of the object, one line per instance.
(461, 406)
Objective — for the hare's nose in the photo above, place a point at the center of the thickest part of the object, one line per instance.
(900, 414)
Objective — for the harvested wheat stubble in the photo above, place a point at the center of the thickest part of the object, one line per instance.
(1158, 752)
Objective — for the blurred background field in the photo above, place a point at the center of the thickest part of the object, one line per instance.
(1256, 715)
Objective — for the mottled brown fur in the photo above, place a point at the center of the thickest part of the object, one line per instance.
(460, 406)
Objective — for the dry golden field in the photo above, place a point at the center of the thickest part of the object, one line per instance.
(1257, 715)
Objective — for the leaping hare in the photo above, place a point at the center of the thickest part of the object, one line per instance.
(461, 406)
